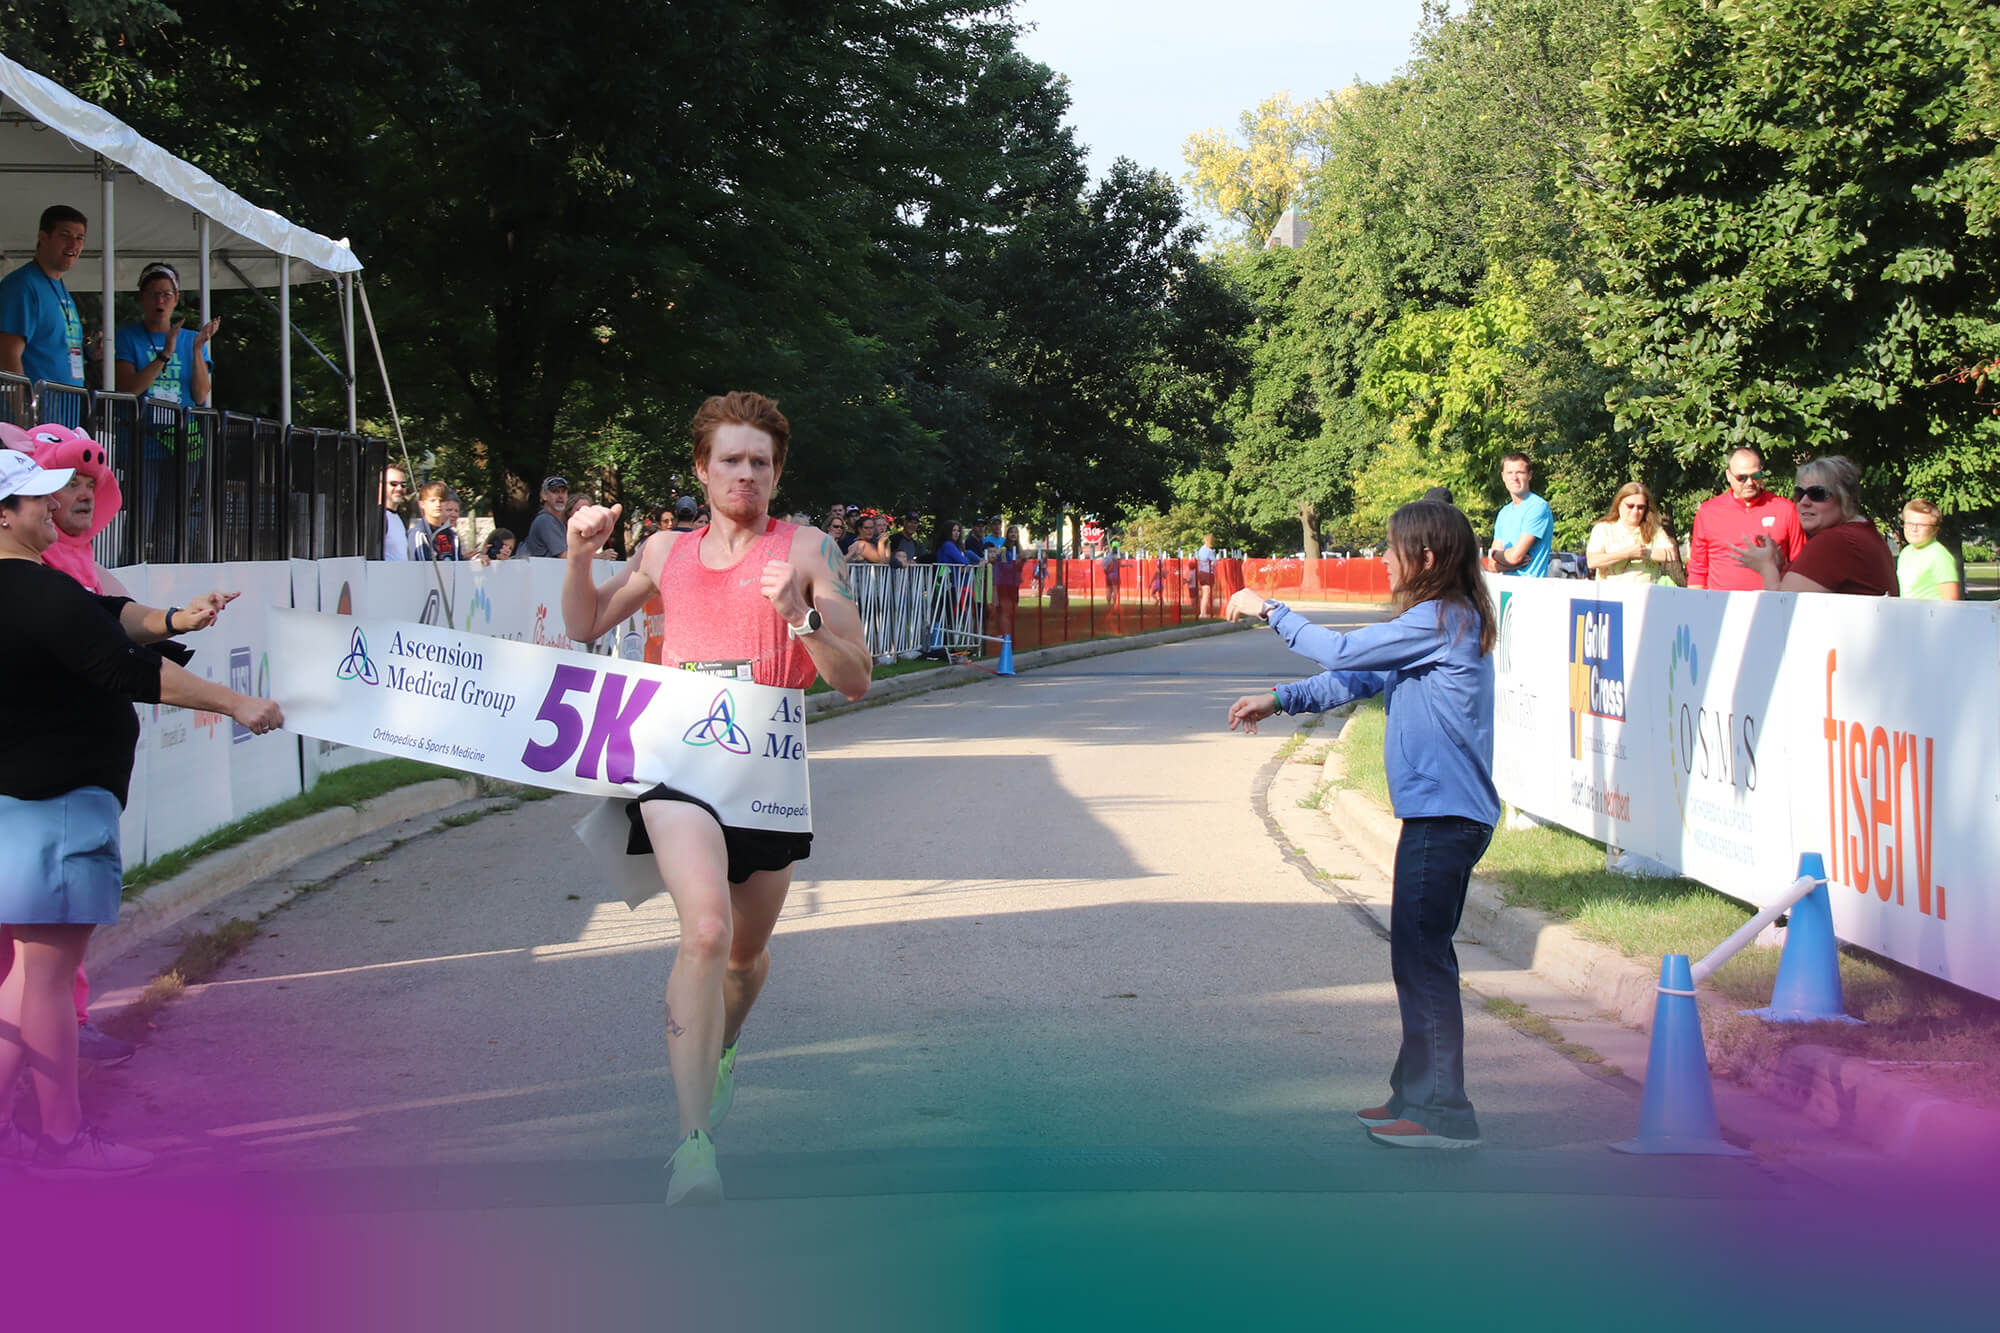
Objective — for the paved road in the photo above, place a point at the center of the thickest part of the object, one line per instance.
(1055, 1036)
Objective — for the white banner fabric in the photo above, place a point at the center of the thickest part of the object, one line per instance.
(525, 713)
(1725, 734)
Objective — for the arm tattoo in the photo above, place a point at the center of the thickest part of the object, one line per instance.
(836, 562)
(674, 1029)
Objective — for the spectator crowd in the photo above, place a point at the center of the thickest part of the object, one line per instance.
(1746, 538)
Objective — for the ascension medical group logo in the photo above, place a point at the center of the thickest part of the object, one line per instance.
(719, 727)
(448, 672)
(1596, 666)
(358, 665)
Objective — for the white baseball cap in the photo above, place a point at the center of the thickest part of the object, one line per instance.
(20, 476)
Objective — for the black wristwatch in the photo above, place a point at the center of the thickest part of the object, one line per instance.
(170, 621)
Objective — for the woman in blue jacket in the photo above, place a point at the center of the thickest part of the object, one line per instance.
(1433, 667)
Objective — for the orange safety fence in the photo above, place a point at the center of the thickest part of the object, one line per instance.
(1068, 601)
(1046, 602)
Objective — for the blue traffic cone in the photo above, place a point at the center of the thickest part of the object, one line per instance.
(1006, 656)
(1808, 986)
(1677, 1113)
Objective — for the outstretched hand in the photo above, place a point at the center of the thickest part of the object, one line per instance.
(590, 527)
(202, 611)
(1251, 709)
(257, 716)
(1244, 604)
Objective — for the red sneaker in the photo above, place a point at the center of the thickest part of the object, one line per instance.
(1375, 1116)
(1409, 1134)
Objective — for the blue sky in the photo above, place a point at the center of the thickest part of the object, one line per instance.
(1145, 74)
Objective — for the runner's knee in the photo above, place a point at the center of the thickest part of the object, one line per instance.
(706, 935)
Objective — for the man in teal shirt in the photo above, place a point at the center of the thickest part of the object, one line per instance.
(41, 334)
(1525, 529)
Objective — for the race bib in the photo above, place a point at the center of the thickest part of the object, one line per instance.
(735, 669)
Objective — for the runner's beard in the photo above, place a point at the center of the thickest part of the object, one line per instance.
(742, 508)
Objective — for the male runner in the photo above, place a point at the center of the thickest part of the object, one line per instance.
(745, 590)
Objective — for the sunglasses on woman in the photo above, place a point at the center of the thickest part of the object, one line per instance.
(1819, 495)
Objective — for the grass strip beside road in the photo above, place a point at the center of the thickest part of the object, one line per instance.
(346, 786)
(1936, 1031)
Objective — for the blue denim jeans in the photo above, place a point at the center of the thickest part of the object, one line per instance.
(1434, 860)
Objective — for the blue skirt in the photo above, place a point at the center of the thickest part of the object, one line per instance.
(59, 860)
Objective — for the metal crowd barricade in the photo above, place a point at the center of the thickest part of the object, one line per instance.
(956, 616)
(900, 607)
(202, 486)
(16, 399)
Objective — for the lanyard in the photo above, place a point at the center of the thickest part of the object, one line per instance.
(63, 303)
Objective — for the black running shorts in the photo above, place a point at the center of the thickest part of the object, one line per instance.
(750, 849)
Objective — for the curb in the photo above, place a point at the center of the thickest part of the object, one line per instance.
(216, 876)
(1844, 1093)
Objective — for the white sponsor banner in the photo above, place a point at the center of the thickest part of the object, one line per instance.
(188, 761)
(338, 587)
(530, 714)
(1725, 734)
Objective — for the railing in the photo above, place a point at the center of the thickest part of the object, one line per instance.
(202, 486)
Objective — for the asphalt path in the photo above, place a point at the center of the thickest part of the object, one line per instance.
(1056, 1035)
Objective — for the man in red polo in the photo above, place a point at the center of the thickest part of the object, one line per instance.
(1744, 511)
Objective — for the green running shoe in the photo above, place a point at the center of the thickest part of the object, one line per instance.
(694, 1180)
(725, 1087)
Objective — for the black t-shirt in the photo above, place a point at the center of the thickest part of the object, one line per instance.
(69, 676)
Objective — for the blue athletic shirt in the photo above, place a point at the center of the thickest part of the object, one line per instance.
(37, 307)
(1437, 688)
(1516, 521)
(175, 382)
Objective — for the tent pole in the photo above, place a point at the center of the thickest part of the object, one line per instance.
(284, 340)
(107, 373)
(206, 295)
(347, 330)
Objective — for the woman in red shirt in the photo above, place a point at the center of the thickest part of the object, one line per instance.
(1844, 552)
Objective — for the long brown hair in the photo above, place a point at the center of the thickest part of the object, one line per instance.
(1453, 576)
(1650, 528)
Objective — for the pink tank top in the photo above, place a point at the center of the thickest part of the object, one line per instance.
(718, 616)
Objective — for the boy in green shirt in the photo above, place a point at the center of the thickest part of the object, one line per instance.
(1925, 569)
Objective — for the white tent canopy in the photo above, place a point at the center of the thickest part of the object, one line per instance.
(149, 205)
(56, 148)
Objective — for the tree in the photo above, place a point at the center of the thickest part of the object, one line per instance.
(1795, 235)
(1252, 182)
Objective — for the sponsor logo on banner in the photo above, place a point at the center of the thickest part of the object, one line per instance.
(1597, 689)
(719, 727)
(1712, 757)
(1880, 799)
(357, 665)
(242, 680)
(542, 634)
(1596, 666)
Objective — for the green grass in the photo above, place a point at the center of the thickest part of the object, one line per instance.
(1950, 1036)
(199, 960)
(346, 786)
